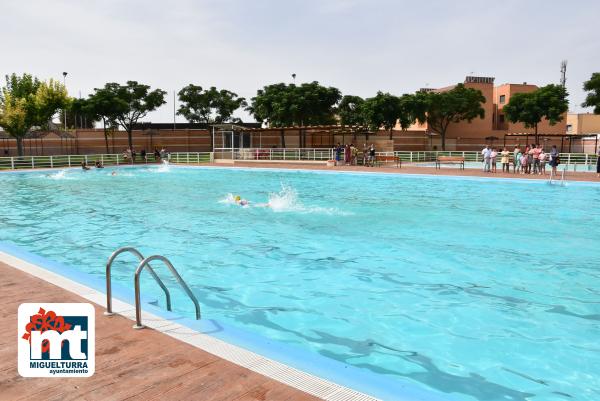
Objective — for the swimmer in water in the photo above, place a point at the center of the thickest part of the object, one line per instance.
(239, 201)
(113, 173)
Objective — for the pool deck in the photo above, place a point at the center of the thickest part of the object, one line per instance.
(130, 364)
(411, 169)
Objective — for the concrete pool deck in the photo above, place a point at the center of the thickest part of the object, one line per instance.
(129, 364)
(409, 169)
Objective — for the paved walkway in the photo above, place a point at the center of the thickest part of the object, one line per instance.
(130, 364)
(410, 169)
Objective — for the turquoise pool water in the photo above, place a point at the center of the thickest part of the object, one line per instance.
(486, 290)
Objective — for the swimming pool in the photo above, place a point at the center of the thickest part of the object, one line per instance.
(483, 289)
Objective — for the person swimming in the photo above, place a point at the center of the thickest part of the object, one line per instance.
(239, 201)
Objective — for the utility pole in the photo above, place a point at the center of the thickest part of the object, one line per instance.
(174, 106)
(563, 73)
(65, 110)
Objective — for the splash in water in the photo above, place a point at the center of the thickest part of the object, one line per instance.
(229, 199)
(286, 200)
(60, 175)
(165, 167)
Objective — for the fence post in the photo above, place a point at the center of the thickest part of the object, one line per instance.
(32, 162)
(86, 159)
(117, 159)
(283, 153)
(12, 163)
(187, 158)
(51, 162)
(69, 160)
(102, 159)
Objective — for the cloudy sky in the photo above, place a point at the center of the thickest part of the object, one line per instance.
(359, 46)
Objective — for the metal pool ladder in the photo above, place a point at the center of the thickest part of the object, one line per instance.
(145, 263)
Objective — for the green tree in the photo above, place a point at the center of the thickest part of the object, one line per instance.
(209, 106)
(26, 102)
(104, 106)
(350, 110)
(548, 102)
(281, 105)
(134, 101)
(385, 111)
(455, 105)
(77, 115)
(593, 97)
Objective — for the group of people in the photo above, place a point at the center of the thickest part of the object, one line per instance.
(348, 154)
(531, 160)
(97, 164)
(130, 154)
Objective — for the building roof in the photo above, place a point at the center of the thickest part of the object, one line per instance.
(169, 126)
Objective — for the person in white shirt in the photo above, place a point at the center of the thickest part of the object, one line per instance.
(487, 154)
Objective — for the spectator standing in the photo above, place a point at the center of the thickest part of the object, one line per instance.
(505, 160)
(493, 157)
(486, 153)
(554, 159)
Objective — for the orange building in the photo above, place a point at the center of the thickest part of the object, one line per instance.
(477, 133)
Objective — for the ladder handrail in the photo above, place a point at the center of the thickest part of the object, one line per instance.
(138, 272)
(150, 269)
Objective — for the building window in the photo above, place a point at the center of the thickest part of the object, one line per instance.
(502, 99)
(569, 127)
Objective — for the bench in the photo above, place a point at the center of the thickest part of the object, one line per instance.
(379, 160)
(450, 160)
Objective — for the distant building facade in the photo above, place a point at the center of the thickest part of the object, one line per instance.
(583, 123)
(492, 128)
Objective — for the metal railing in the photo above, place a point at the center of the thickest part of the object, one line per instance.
(574, 161)
(32, 162)
(191, 157)
(290, 154)
(109, 311)
(145, 263)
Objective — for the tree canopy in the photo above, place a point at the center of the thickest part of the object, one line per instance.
(26, 102)
(443, 108)
(208, 106)
(78, 115)
(548, 102)
(132, 102)
(592, 86)
(281, 105)
(104, 106)
(350, 111)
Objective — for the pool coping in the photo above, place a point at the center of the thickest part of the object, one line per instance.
(304, 370)
(539, 181)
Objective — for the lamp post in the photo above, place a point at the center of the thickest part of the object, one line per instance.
(294, 78)
(65, 110)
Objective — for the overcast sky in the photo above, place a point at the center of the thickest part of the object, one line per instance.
(357, 46)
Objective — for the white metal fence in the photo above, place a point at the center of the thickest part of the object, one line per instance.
(29, 162)
(570, 161)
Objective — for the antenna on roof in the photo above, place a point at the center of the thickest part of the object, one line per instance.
(563, 73)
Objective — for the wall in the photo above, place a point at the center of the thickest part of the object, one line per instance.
(584, 123)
